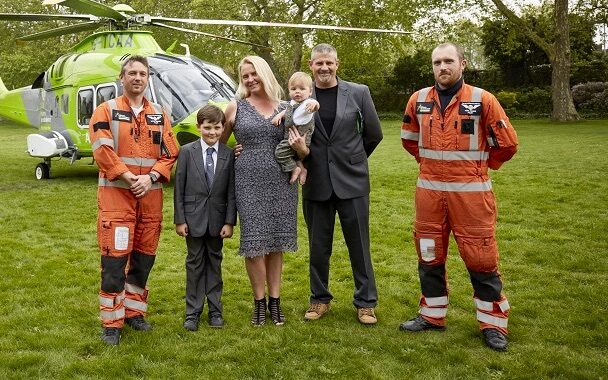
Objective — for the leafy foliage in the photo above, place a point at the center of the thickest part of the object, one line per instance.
(591, 96)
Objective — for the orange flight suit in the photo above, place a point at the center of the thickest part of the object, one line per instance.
(128, 228)
(454, 193)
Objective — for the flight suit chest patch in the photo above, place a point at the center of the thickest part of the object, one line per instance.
(119, 115)
(467, 126)
(470, 108)
(155, 119)
(424, 107)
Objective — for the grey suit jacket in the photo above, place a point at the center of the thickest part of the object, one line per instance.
(194, 202)
(338, 162)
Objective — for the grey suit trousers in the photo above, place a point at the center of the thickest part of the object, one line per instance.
(204, 274)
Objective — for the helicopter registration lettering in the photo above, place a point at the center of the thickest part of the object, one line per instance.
(120, 40)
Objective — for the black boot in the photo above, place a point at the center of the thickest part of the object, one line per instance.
(258, 318)
(276, 314)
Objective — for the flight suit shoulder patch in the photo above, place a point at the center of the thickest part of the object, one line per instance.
(407, 119)
(101, 125)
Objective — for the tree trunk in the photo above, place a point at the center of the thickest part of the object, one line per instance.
(558, 54)
(563, 106)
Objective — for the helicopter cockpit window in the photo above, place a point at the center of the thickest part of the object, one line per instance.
(184, 91)
(85, 106)
(105, 93)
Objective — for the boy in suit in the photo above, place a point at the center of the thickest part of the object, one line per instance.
(205, 213)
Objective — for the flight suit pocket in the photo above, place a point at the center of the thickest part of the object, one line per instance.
(147, 233)
(480, 254)
(115, 232)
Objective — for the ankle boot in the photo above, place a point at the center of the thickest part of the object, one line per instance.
(258, 318)
(276, 314)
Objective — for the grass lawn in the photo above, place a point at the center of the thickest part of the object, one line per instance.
(552, 234)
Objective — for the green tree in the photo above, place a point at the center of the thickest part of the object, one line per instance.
(558, 52)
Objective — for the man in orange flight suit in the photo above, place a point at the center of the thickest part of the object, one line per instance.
(135, 149)
(456, 132)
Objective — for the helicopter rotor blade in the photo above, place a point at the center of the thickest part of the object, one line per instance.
(69, 29)
(275, 24)
(43, 17)
(89, 6)
(209, 35)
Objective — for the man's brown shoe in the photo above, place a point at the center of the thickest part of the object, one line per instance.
(366, 315)
(316, 311)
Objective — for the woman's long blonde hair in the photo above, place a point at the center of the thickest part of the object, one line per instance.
(271, 85)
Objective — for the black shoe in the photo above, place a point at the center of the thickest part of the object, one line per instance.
(216, 321)
(276, 314)
(138, 323)
(495, 339)
(258, 318)
(111, 336)
(419, 324)
(191, 322)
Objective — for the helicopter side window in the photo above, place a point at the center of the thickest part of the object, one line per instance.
(105, 93)
(85, 106)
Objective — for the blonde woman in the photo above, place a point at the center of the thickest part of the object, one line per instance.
(266, 201)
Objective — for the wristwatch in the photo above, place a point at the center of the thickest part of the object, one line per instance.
(153, 177)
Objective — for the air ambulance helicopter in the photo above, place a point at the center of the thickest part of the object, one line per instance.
(61, 100)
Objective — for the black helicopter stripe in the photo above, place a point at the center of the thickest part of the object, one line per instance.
(101, 125)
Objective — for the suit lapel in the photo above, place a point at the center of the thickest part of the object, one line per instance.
(320, 129)
(197, 156)
(340, 105)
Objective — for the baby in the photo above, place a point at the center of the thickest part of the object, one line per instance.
(298, 114)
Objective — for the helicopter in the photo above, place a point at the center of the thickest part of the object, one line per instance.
(61, 100)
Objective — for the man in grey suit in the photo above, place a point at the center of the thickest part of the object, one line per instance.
(347, 130)
(204, 213)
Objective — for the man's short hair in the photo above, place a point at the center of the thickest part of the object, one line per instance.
(323, 49)
(458, 47)
(299, 76)
(212, 114)
(134, 58)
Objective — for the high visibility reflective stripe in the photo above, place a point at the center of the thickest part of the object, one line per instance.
(138, 161)
(112, 315)
(137, 305)
(483, 305)
(454, 186)
(474, 138)
(134, 289)
(491, 320)
(104, 182)
(102, 141)
(114, 124)
(422, 94)
(106, 302)
(407, 135)
(436, 301)
(159, 109)
(504, 306)
(439, 312)
(454, 155)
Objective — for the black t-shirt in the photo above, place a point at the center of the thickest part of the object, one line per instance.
(327, 98)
